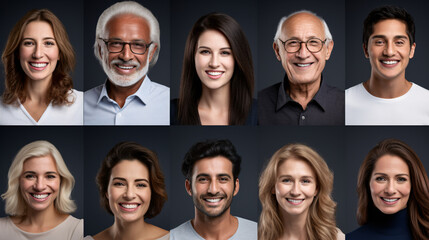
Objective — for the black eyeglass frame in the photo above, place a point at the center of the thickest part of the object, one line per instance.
(300, 44)
(147, 45)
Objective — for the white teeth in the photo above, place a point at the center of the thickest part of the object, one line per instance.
(129, 206)
(214, 73)
(294, 201)
(125, 67)
(390, 62)
(212, 200)
(40, 196)
(390, 199)
(38, 65)
(303, 65)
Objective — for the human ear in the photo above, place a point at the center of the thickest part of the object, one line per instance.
(188, 187)
(413, 48)
(276, 50)
(237, 187)
(365, 50)
(330, 48)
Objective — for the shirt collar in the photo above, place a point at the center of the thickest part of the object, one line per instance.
(142, 93)
(283, 98)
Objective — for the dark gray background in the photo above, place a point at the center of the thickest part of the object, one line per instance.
(70, 14)
(68, 141)
(270, 70)
(358, 67)
(186, 12)
(327, 141)
(244, 204)
(359, 141)
(94, 74)
(98, 142)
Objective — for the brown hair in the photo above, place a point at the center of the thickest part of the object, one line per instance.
(320, 222)
(241, 83)
(133, 151)
(418, 203)
(15, 81)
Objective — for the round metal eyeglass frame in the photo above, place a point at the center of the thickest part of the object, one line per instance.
(306, 44)
(123, 45)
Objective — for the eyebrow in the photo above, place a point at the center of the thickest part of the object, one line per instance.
(384, 174)
(33, 172)
(224, 48)
(217, 175)
(384, 36)
(293, 177)
(120, 39)
(136, 180)
(46, 38)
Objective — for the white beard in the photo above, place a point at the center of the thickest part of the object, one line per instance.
(124, 80)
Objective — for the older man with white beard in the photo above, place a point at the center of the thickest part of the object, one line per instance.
(127, 44)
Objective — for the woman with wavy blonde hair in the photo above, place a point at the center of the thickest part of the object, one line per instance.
(295, 191)
(38, 198)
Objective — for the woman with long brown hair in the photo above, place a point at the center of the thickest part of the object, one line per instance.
(393, 190)
(38, 59)
(217, 82)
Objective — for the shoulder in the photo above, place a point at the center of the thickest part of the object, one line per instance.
(159, 88)
(94, 91)
(242, 222)
(273, 89)
(247, 229)
(421, 90)
(360, 233)
(183, 230)
(356, 89)
(340, 235)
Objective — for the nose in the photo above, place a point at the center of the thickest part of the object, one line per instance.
(39, 185)
(214, 61)
(295, 191)
(389, 49)
(126, 53)
(390, 188)
(213, 187)
(303, 51)
(38, 52)
(129, 193)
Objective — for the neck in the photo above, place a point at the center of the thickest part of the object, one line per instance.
(303, 93)
(119, 94)
(127, 230)
(294, 226)
(41, 221)
(37, 90)
(222, 227)
(387, 88)
(213, 106)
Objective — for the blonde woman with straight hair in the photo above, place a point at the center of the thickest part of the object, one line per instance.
(295, 192)
(38, 196)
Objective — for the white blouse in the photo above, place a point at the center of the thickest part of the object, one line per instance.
(72, 114)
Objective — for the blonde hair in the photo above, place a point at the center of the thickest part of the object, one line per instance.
(320, 223)
(15, 204)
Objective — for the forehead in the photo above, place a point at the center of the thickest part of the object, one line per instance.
(303, 25)
(128, 26)
(38, 28)
(131, 169)
(40, 164)
(295, 167)
(212, 166)
(390, 27)
(213, 39)
(391, 164)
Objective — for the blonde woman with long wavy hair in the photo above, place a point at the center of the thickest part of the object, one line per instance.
(295, 191)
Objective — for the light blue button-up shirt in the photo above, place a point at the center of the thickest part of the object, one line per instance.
(150, 105)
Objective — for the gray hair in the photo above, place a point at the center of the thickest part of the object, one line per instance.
(127, 7)
(15, 203)
(328, 34)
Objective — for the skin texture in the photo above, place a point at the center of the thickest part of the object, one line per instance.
(126, 28)
(214, 55)
(304, 80)
(389, 43)
(40, 183)
(212, 180)
(390, 184)
(295, 187)
(129, 185)
(38, 46)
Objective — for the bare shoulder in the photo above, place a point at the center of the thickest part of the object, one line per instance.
(157, 232)
(103, 235)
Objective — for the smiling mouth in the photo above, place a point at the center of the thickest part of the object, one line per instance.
(303, 64)
(389, 62)
(389, 200)
(38, 65)
(295, 201)
(40, 197)
(129, 206)
(125, 67)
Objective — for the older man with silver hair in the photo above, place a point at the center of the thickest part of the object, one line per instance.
(302, 44)
(127, 44)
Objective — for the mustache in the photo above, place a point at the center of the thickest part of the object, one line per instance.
(121, 62)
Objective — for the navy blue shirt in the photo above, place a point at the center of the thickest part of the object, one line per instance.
(276, 107)
(384, 227)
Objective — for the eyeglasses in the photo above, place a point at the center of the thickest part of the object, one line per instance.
(313, 45)
(115, 46)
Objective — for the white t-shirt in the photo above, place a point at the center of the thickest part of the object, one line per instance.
(69, 229)
(247, 230)
(10, 114)
(362, 108)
